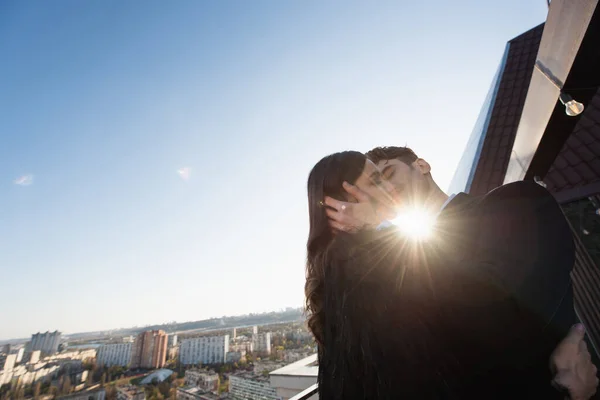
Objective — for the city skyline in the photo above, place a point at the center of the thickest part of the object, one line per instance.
(153, 157)
(128, 329)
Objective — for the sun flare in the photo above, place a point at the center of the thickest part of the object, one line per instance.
(415, 223)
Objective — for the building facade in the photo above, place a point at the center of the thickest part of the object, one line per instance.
(525, 133)
(20, 353)
(208, 381)
(295, 378)
(172, 342)
(149, 350)
(262, 343)
(247, 386)
(118, 354)
(204, 350)
(47, 342)
(34, 357)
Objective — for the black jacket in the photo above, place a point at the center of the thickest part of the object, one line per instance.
(472, 314)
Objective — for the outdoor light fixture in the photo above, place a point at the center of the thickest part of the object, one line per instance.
(572, 108)
(539, 181)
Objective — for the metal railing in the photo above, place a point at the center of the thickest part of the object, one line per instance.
(307, 393)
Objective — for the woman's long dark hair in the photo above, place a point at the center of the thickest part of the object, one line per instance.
(325, 179)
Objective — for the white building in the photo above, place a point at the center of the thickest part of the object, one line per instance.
(204, 350)
(242, 346)
(195, 393)
(114, 354)
(248, 386)
(172, 340)
(294, 378)
(262, 342)
(208, 381)
(34, 357)
(19, 353)
(47, 342)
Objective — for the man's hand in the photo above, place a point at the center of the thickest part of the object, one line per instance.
(572, 364)
(352, 217)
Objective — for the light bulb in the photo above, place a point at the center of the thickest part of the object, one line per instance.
(572, 107)
(539, 181)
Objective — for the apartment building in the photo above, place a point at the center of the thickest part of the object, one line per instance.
(204, 350)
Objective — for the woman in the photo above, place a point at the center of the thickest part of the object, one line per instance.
(382, 311)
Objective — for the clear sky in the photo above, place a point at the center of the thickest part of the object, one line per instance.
(102, 102)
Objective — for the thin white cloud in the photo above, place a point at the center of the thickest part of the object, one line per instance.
(185, 173)
(24, 180)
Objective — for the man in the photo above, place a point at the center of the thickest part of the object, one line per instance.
(516, 233)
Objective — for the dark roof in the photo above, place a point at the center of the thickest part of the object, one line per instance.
(578, 162)
(507, 110)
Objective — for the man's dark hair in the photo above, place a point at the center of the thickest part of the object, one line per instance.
(404, 154)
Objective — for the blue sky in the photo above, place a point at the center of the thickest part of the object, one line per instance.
(101, 102)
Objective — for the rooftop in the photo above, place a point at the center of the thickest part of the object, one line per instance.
(129, 389)
(160, 375)
(304, 367)
(251, 376)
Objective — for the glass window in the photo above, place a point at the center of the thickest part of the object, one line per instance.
(463, 176)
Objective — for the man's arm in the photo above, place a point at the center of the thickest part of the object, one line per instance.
(527, 245)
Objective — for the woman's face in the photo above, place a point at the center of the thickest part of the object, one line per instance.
(372, 183)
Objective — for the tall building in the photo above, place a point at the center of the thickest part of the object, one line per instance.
(47, 342)
(8, 362)
(526, 132)
(114, 354)
(261, 342)
(34, 357)
(172, 340)
(149, 350)
(19, 353)
(204, 350)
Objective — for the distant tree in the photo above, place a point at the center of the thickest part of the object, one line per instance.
(66, 387)
(53, 391)
(90, 379)
(37, 391)
(20, 394)
(223, 386)
(165, 389)
(110, 392)
(155, 394)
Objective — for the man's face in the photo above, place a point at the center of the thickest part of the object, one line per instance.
(372, 183)
(410, 182)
